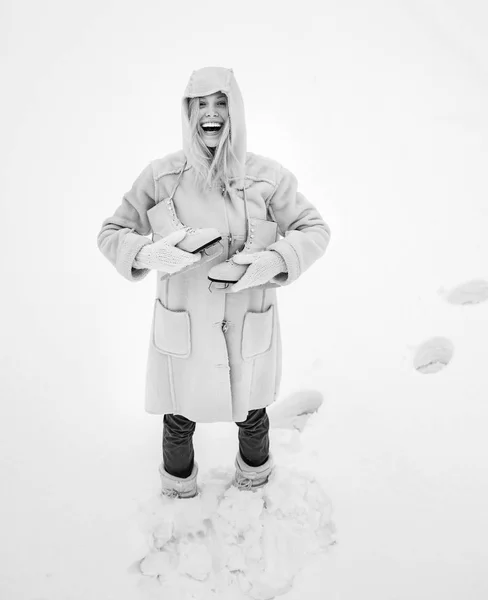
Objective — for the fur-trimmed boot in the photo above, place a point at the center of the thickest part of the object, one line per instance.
(178, 487)
(261, 234)
(247, 477)
(195, 240)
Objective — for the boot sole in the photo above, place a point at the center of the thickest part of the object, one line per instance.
(222, 280)
(207, 245)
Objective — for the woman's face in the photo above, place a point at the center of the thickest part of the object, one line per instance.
(214, 110)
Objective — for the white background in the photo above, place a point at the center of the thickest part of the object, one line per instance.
(379, 108)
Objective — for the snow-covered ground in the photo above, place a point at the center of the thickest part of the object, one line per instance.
(231, 543)
(380, 110)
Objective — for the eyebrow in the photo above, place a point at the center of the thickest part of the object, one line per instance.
(218, 97)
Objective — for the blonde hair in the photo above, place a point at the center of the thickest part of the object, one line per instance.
(210, 169)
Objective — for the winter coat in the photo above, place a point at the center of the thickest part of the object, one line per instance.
(214, 356)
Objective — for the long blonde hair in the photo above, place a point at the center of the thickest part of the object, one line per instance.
(210, 169)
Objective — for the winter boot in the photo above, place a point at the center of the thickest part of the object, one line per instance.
(178, 487)
(247, 477)
(195, 240)
(261, 234)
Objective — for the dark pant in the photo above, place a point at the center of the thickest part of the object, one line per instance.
(178, 454)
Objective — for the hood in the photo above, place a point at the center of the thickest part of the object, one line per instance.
(208, 81)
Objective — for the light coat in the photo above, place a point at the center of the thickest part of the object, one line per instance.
(214, 356)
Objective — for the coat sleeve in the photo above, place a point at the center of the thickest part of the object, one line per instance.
(122, 235)
(306, 235)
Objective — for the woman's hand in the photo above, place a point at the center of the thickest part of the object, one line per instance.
(163, 256)
(263, 266)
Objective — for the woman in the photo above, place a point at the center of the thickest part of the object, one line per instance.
(215, 348)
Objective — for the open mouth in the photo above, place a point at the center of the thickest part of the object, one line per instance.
(211, 128)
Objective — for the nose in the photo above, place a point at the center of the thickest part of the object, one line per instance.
(212, 109)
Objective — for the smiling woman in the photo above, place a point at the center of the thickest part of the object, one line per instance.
(213, 114)
(214, 353)
(211, 147)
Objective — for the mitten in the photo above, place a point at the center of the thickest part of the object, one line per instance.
(163, 256)
(263, 266)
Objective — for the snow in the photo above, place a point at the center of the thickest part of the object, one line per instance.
(386, 336)
(234, 542)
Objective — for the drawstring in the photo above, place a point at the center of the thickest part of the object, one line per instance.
(246, 210)
(178, 181)
(248, 219)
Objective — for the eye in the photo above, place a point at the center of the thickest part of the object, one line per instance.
(223, 102)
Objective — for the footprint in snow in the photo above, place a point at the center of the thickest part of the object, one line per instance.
(433, 355)
(465, 294)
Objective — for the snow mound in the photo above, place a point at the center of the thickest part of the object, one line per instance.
(233, 544)
(294, 411)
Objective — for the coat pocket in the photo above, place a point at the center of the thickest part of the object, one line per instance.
(257, 333)
(171, 331)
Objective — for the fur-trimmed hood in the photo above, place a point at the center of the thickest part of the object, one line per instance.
(209, 80)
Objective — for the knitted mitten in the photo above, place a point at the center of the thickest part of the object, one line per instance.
(263, 266)
(163, 256)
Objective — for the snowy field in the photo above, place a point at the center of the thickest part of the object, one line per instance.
(379, 108)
